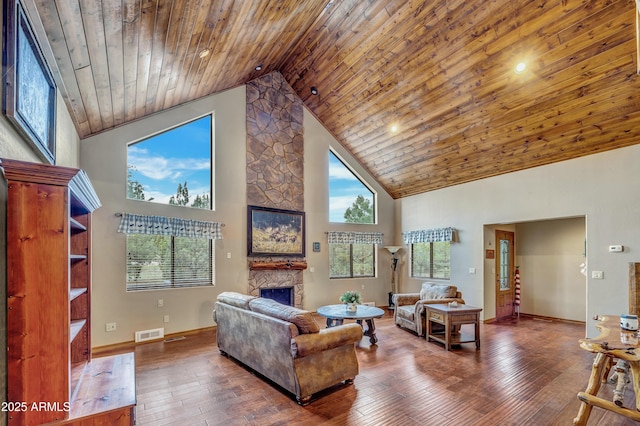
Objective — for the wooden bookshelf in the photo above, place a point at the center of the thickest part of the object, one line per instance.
(49, 300)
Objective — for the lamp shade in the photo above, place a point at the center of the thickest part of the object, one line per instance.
(393, 249)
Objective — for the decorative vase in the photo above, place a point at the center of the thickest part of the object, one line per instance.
(352, 307)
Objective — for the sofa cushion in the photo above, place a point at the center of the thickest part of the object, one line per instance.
(302, 319)
(433, 291)
(238, 300)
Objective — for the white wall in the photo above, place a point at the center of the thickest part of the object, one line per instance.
(549, 254)
(602, 187)
(104, 158)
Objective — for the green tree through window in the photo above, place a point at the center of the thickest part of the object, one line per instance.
(350, 200)
(431, 260)
(158, 261)
(360, 212)
(351, 260)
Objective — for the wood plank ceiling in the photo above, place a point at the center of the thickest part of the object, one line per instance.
(442, 71)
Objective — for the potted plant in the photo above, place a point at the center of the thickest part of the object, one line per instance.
(352, 299)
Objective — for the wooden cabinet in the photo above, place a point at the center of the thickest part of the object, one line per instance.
(48, 249)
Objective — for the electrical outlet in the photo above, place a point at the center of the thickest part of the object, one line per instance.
(363, 286)
(597, 275)
(160, 303)
(166, 318)
(111, 326)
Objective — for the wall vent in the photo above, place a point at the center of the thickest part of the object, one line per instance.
(143, 336)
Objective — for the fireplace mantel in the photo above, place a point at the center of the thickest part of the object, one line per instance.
(258, 265)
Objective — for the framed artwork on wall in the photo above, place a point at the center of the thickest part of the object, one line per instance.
(275, 232)
(29, 100)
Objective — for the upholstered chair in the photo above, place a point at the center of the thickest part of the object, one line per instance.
(410, 307)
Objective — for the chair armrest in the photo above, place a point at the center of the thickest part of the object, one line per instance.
(328, 338)
(401, 299)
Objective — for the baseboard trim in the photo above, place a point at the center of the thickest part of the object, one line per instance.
(117, 347)
(537, 318)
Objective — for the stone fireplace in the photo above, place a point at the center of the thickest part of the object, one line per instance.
(275, 167)
(283, 295)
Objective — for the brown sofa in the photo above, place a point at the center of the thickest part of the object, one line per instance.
(285, 344)
(409, 310)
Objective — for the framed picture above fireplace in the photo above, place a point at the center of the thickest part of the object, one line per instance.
(275, 232)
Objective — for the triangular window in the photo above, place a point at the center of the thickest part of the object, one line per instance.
(350, 199)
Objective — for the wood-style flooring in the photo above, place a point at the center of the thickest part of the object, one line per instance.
(527, 372)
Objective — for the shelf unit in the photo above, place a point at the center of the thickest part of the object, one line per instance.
(49, 301)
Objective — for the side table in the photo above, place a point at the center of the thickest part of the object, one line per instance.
(448, 318)
(612, 343)
(336, 314)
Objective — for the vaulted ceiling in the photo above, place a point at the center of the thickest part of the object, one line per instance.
(441, 71)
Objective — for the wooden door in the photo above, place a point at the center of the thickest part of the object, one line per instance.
(505, 289)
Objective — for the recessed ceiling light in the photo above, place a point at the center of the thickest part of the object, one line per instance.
(394, 128)
(314, 90)
(520, 68)
(204, 53)
(259, 67)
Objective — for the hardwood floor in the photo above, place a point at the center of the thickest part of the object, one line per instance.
(527, 372)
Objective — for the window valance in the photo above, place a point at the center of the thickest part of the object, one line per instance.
(428, 235)
(339, 237)
(169, 226)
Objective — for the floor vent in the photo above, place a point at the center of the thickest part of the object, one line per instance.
(369, 303)
(156, 333)
(173, 339)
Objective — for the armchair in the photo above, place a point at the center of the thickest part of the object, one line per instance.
(410, 307)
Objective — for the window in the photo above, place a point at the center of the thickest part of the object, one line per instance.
(431, 260)
(350, 199)
(169, 252)
(351, 260)
(173, 167)
(352, 254)
(161, 261)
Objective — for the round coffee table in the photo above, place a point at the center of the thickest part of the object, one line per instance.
(336, 314)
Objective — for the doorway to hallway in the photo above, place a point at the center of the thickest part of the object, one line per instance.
(549, 254)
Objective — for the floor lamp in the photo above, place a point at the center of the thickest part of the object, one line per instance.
(394, 265)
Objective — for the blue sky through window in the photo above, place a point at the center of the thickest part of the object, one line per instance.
(181, 154)
(344, 188)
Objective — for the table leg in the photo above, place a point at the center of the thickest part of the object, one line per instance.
(635, 378)
(371, 331)
(477, 327)
(447, 332)
(593, 387)
(332, 322)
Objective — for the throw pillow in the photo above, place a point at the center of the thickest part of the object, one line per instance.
(238, 300)
(302, 319)
(432, 291)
